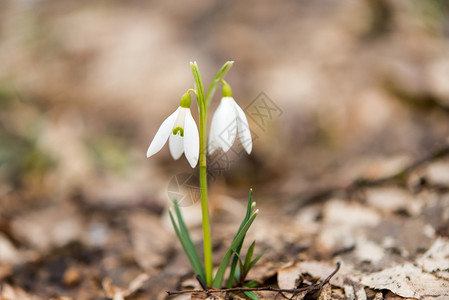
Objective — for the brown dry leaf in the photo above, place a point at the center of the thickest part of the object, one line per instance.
(354, 290)
(118, 293)
(150, 240)
(53, 226)
(344, 225)
(437, 173)
(203, 296)
(326, 292)
(288, 275)
(378, 296)
(392, 296)
(15, 293)
(389, 199)
(8, 253)
(407, 280)
(300, 295)
(435, 260)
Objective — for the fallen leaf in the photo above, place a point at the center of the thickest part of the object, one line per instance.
(150, 240)
(354, 290)
(435, 260)
(54, 226)
(118, 293)
(407, 280)
(326, 292)
(15, 293)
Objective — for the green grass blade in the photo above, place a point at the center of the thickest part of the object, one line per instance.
(233, 266)
(251, 284)
(237, 240)
(251, 295)
(249, 206)
(187, 243)
(255, 260)
(239, 247)
(184, 246)
(249, 255)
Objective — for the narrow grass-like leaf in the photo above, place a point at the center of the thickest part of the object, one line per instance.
(251, 295)
(187, 244)
(251, 284)
(255, 260)
(233, 266)
(237, 240)
(184, 246)
(249, 208)
(188, 239)
(249, 255)
(214, 84)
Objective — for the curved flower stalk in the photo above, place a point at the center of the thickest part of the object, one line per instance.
(181, 131)
(229, 119)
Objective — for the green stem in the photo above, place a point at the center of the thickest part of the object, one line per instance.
(207, 242)
(203, 105)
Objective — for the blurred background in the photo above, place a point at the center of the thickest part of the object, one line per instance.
(333, 90)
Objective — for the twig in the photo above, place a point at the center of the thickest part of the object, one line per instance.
(260, 289)
(203, 285)
(328, 278)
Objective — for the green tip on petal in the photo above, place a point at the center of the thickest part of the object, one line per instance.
(226, 90)
(180, 130)
(185, 100)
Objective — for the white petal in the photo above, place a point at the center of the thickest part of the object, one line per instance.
(162, 134)
(244, 131)
(211, 146)
(191, 140)
(225, 124)
(176, 145)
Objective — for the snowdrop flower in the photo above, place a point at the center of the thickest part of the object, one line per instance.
(181, 131)
(227, 120)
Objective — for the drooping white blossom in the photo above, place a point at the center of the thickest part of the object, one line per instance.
(181, 131)
(228, 120)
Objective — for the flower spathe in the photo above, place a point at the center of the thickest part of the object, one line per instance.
(229, 119)
(181, 131)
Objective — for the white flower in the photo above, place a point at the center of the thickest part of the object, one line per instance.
(181, 128)
(227, 120)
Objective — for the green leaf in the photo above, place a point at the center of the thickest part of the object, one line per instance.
(249, 206)
(186, 242)
(232, 271)
(255, 260)
(237, 273)
(248, 257)
(237, 240)
(216, 81)
(249, 209)
(251, 295)
(251, 284)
